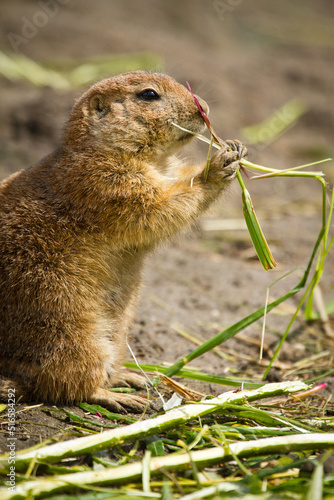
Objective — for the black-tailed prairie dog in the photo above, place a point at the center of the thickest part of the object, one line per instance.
(76, 228)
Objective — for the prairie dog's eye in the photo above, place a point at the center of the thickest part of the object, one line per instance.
(148, 95)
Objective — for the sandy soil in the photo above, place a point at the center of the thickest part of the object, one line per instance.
(247, 59)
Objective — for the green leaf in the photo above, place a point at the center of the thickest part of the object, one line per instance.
(105, 413)
(259, 241)
(2, 408)
(156, 447)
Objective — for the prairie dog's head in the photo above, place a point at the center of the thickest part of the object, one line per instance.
(132, 113)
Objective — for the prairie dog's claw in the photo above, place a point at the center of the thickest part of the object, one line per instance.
(238, 147)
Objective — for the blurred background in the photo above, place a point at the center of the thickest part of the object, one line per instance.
(266, 69)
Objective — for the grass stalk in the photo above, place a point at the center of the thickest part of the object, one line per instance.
(322, 256)
(315, 491)
(200, 458)
(97, 442)
(254, 229)
(198, 375)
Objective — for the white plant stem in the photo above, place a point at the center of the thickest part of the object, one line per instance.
(201, 458)
(90, 444)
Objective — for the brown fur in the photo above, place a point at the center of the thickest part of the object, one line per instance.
(76, 227)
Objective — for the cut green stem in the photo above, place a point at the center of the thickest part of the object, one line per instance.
(254, 229)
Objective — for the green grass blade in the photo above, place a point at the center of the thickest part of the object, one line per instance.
(316, 487)
(259, 241)
(197, 375)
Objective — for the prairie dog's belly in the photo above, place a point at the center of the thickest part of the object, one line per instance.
(118, 286)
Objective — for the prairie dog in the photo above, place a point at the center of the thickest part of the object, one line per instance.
(75, 230)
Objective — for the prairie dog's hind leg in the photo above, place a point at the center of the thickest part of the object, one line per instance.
(126, 378)
(118, 402)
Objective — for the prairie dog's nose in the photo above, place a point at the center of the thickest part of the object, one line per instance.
(203, 104)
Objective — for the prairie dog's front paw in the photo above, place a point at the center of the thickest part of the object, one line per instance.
(226, 160)
(237, 146)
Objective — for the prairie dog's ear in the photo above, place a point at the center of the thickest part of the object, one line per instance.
(98, 106)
